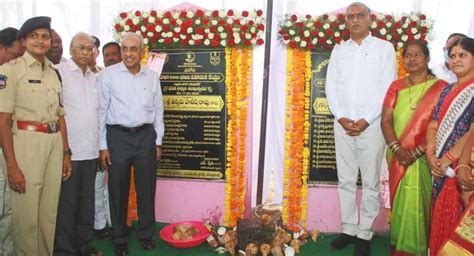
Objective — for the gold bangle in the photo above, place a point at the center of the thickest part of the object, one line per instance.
(462, 166)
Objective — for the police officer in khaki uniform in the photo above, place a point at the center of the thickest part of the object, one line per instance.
(34, 140)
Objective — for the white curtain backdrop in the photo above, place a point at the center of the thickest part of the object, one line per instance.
(97, 18)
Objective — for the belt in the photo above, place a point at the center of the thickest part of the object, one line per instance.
(128, 129)
(38, 127)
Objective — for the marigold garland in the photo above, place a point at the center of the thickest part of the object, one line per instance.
(401, 72)
(238, 64)
(296, 163)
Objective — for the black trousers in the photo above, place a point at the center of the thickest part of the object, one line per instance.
(127, 149)
(75, 217)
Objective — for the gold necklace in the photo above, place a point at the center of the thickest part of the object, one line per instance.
(413, 107)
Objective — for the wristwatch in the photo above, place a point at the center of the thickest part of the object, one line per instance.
(68, 152)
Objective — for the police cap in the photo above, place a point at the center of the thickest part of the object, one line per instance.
(32, 24)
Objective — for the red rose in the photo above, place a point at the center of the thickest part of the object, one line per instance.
(215, 14)
(299, 24)
(329, 47)
(411, 38)
(182, 14)
(329, 33)
(311, 46)
(144, 21)
(281, 32)
(408, 31)
(396, 37)
(198, 42)
(294, 17)
(205, 21)
(380, 24)
(123, 15)
(314, 33)
(389, 17)
(259, 13)
(230, 12)
(138, 13)
(212, 29)
(168, 14)
(150, 28)
(214, 43)
(337, 39)
(221, 22)
(301, 32)
(261, 27)
(168, 40)
(173, 22)
(259, 41)
(175, 34)
(393, 31)
(422, 37)
(158, 21)
(318, 24)
(243, 28)
(341, 17)
(236, 22)
(166, 28)
(250, 22)
(245, 14)
(153, 13)
(422, 17)
(129, 22)
(152, 39)
(135, 28)
(413, 24)
(247, 42)
(334, 24)
(346, 33)
(373, 32)
(217, 36)
(286, 37)
(199, 31)
(199, 13)
(231, 42)
(325, 16)
(293, 44)
(424, 30)
(308, 16)
(184, 42)
(398, 25)
(404, 18)
(373, 17)
(117, 27)
(321, 41)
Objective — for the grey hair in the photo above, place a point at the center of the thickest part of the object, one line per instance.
(82, 35)
(130, 34)
(367, 9)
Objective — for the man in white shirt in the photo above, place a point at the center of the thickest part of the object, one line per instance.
(442, 70)
(75, 219)
(131, 131)
(359, 74)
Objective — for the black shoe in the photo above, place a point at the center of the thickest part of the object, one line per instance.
(362, 247)
(121, 250)
(342, 241)
(105, 233)
(148, 244)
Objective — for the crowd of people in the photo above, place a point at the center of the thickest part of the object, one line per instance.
(64, 121)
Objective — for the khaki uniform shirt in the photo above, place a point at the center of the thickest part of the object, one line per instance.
(30, 92)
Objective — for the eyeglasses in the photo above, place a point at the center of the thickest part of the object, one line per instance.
(84, 48)
(352, 16)
(36, 36)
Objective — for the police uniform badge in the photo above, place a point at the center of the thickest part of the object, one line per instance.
(3, 81)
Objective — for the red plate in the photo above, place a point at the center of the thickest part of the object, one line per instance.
(166, 234)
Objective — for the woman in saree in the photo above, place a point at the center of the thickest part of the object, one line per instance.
(407, 110)
(446, 136)
(461, 241)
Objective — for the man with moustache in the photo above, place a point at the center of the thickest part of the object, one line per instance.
(10, 49)
(361, 64)
(111, 53)
(55, 53)
(75, 219)
(131, 132)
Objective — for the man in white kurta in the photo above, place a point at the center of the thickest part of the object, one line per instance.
(359, 74)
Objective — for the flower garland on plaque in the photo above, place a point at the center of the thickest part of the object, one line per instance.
(303, 34)
(238, 33)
